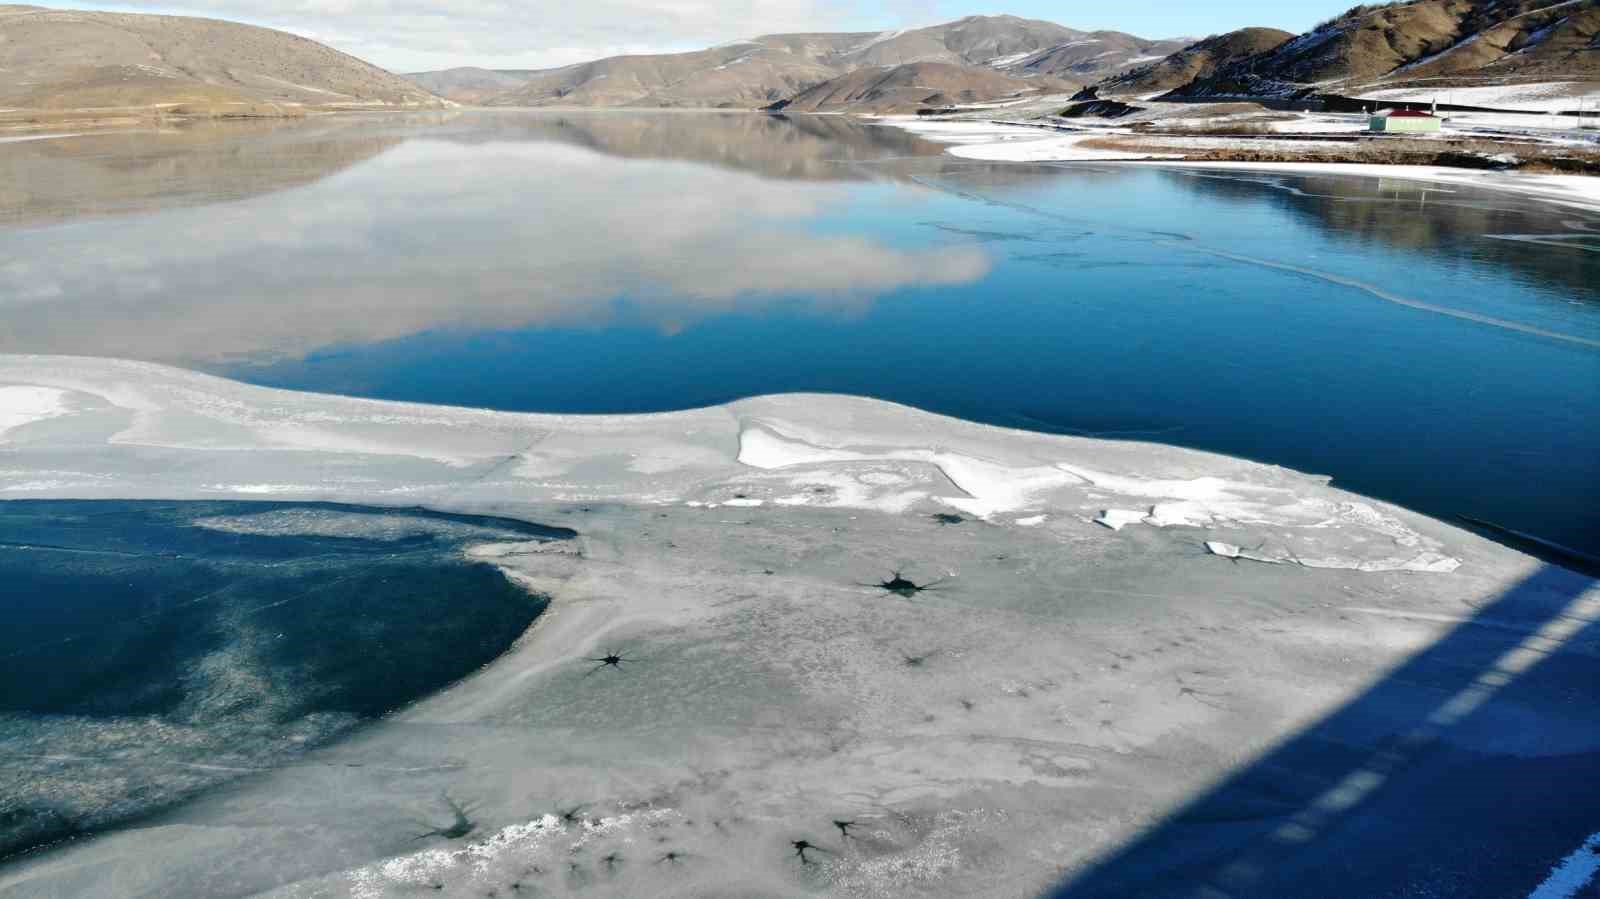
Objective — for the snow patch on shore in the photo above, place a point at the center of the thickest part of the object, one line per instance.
(998, 142)
(1547, 96)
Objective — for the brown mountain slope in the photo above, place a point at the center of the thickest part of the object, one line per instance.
(1559, 42)
(914, 86)
(1198, 60)
(59, 59)
(974, 40)
(756, 73)
(743, 75)
(1097, 54)
(1470, 41)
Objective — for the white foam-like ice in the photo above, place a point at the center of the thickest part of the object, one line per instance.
(988, 487)
(25, 404)
(1117, 519)
(531, 839)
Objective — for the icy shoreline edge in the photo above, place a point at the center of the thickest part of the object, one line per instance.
(1019, 143)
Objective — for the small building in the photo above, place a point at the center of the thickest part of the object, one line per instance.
(1409, 121)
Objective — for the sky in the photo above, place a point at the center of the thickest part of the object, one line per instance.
(417, 35)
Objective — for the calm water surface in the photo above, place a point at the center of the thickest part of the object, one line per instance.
(1437, 348)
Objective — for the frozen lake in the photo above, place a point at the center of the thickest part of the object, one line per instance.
(1439, 348)
(434, 628)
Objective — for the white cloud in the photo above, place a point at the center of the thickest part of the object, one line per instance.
(412, 35)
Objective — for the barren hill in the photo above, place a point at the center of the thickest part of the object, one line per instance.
(1097, 54)
(771, 68)
(1556, 42)
(72, 60)
(1198, 60)
(914, 86)
(746, 75)
(1432, 42)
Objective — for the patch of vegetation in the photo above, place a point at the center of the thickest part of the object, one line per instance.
(1357, 11)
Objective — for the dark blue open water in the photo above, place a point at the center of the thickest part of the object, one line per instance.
(622, 262)
(151, 650)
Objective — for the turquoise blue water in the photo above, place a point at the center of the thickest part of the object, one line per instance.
(1439, 348)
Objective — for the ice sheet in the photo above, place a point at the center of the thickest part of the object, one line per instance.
(1009, 715)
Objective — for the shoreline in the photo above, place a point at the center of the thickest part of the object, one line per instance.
(975, 140)
(1013, 142)
(19, 124)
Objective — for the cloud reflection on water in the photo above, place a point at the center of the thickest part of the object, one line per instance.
(441, 234)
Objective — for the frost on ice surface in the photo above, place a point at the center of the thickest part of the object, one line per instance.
(545, 843)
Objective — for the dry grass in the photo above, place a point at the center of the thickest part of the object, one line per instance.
(108, 117)
(1218, 129)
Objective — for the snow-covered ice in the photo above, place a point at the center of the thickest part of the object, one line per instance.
(1012, 721)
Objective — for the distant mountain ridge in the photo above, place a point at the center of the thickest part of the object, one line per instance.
(772, 68)
(61, 64)
(1433, 43)
(916, 86)
(469, 84)
(82, 60)
(1199, 60)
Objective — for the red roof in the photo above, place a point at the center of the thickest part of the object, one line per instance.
(1410, 114)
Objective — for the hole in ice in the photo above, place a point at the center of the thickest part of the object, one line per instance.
(457, 828)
